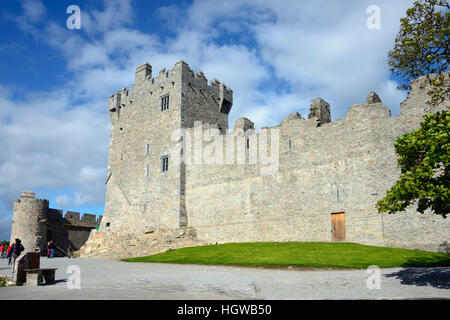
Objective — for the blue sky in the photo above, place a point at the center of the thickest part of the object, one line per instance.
(276, 55)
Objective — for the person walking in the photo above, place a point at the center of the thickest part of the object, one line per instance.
(8, 255)
(16, 250)
(47, 248)
(52, 248)
(5, 250)
(2, 249)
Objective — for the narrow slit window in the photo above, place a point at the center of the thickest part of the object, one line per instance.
(165, 163)
(148, 149)
(164, 102)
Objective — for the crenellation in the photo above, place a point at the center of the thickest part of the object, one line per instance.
(143, 73)
(116, 102)
(416, 103)
(36, 224)
(88, 219)
(72, 217)
(292, 116)
(244, 124)
(55, 215)
(282, 183)
(373, 97)
(368, 111)
(200, 76)
(320, 110)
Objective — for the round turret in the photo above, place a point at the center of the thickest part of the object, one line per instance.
(27, 222)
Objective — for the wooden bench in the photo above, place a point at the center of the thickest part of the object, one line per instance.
(38, 276)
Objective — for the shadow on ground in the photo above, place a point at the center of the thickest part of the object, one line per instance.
(58, 281)
(435, 277)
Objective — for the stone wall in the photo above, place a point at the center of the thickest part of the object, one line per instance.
(139, 195)
(343, 166)
(36, 224)
(28, 214)
(324, 167)
(140, 137)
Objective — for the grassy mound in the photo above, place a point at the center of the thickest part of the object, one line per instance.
(299, 254)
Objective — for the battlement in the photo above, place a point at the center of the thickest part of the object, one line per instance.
(56, 216)
(31, 206)
(217, 90)
(144, 74)
(181, 77)
(28, 199)
(372, 109)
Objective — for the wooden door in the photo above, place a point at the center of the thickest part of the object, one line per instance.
(338, 226)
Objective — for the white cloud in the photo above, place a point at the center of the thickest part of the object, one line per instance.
(276, 56)
(319, 49)
(62, 201)
(33, 10)
(47, 143)
(115, 15)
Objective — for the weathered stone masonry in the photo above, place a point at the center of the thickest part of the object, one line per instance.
(36, 224)
(327, 169)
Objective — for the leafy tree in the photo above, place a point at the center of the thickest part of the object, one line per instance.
(424, 158)
(422, 46)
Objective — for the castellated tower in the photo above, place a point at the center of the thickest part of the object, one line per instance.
(327, 177)
(26, 224)
(145, 189)
(35, 223)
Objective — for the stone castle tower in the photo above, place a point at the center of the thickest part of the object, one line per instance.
(28, 213)
(144, 184)
(329, 174)
(34, 223)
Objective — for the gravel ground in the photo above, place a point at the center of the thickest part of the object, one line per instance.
(113, 279)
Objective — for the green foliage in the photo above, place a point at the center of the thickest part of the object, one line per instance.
(299, 254)
(422, 46)
(424, 156)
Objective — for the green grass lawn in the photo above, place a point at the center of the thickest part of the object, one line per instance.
(299, 254)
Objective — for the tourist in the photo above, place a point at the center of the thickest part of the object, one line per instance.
(2, 249)
(5, 250)
(52, 248)
(8, 255)
(69, 252)
(16, 250)
(48, 249)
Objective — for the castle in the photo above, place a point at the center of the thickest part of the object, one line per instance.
(35, 223)
(177, 176)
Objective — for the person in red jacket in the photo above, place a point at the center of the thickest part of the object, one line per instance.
(2, 249)
(8, 254)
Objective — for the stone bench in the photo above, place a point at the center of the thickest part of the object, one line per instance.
(37, 277)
